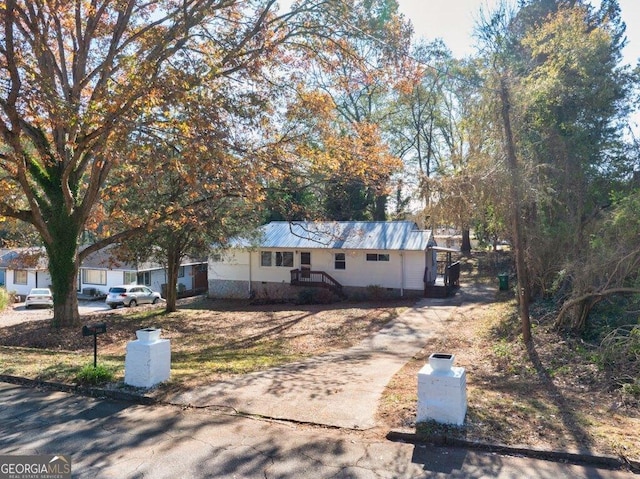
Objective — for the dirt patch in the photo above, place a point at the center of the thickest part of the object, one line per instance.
(551, 397)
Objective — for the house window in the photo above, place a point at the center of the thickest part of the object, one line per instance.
(377, 257)
(144, 278)
(265, 258)
(130, 277)
(94, 276)
(20, 276)
(340, 261)
(181, 272)
(282, 259)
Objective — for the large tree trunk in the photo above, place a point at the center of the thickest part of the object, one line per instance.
(380, 208)
(173, 265)
(466, 241)
(63, 268)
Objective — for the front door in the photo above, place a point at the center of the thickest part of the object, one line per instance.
(201, 281)
(305, 263)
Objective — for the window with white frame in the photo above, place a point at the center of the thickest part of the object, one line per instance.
(20, 276)
(181, 272)
(94, 276)
(130, 277)
(377, 257)
(283, 259)
(340, 261)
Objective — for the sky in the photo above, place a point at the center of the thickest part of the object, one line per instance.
(453, 21)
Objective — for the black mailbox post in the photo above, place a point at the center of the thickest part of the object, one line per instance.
(94, 330)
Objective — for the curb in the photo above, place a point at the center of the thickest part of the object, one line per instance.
(604, 462)
(98, 393)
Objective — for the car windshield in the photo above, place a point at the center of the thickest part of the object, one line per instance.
(117, 290)
(40, 291)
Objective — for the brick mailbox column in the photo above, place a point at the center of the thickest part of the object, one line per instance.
(148, 359)
(442, 391)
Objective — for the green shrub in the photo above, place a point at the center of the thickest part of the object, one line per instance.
(94, 376)
(631, 392)
(305, 296)
(315, 296)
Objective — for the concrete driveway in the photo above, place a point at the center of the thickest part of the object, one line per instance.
(19, 314)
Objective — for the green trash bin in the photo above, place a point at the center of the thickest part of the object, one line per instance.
(504, 281)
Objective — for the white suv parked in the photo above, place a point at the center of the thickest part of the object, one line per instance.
(131, 295)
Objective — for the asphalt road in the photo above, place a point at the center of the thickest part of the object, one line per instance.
(109, 439)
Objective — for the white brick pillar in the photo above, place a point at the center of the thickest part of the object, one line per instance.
(442, 391)
(148, 359)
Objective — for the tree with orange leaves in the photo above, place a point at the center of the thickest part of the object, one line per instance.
(80, 78)
(76, 79)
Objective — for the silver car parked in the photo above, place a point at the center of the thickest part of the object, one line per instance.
(131, 295)
(39, 297)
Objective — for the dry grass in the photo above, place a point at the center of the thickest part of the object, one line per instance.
(550, 398)
(209, 339)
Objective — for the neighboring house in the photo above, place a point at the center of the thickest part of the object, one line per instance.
(24, 269)
(346, 257)
(192, 276)
(102, 270)
(27, 268)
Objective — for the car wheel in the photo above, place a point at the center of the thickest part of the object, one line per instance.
(26, 306)
(155, 301)
(133, 303)
(113, 306)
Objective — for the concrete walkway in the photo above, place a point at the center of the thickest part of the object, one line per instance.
(339, 389)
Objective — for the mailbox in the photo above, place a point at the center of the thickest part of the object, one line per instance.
(94, 329)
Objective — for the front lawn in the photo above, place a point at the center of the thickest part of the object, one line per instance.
(209, 339)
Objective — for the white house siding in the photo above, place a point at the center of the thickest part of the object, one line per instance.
(43, 279)
(113, 278)
(414, 265)
(22, 289)
(158, 278)
(229, 277)
(187, 278)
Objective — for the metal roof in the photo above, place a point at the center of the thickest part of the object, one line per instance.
(361, 235)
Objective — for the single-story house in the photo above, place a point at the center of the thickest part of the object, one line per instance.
(23, 269)
(102, 269)
(27, 268)
(345, 257)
